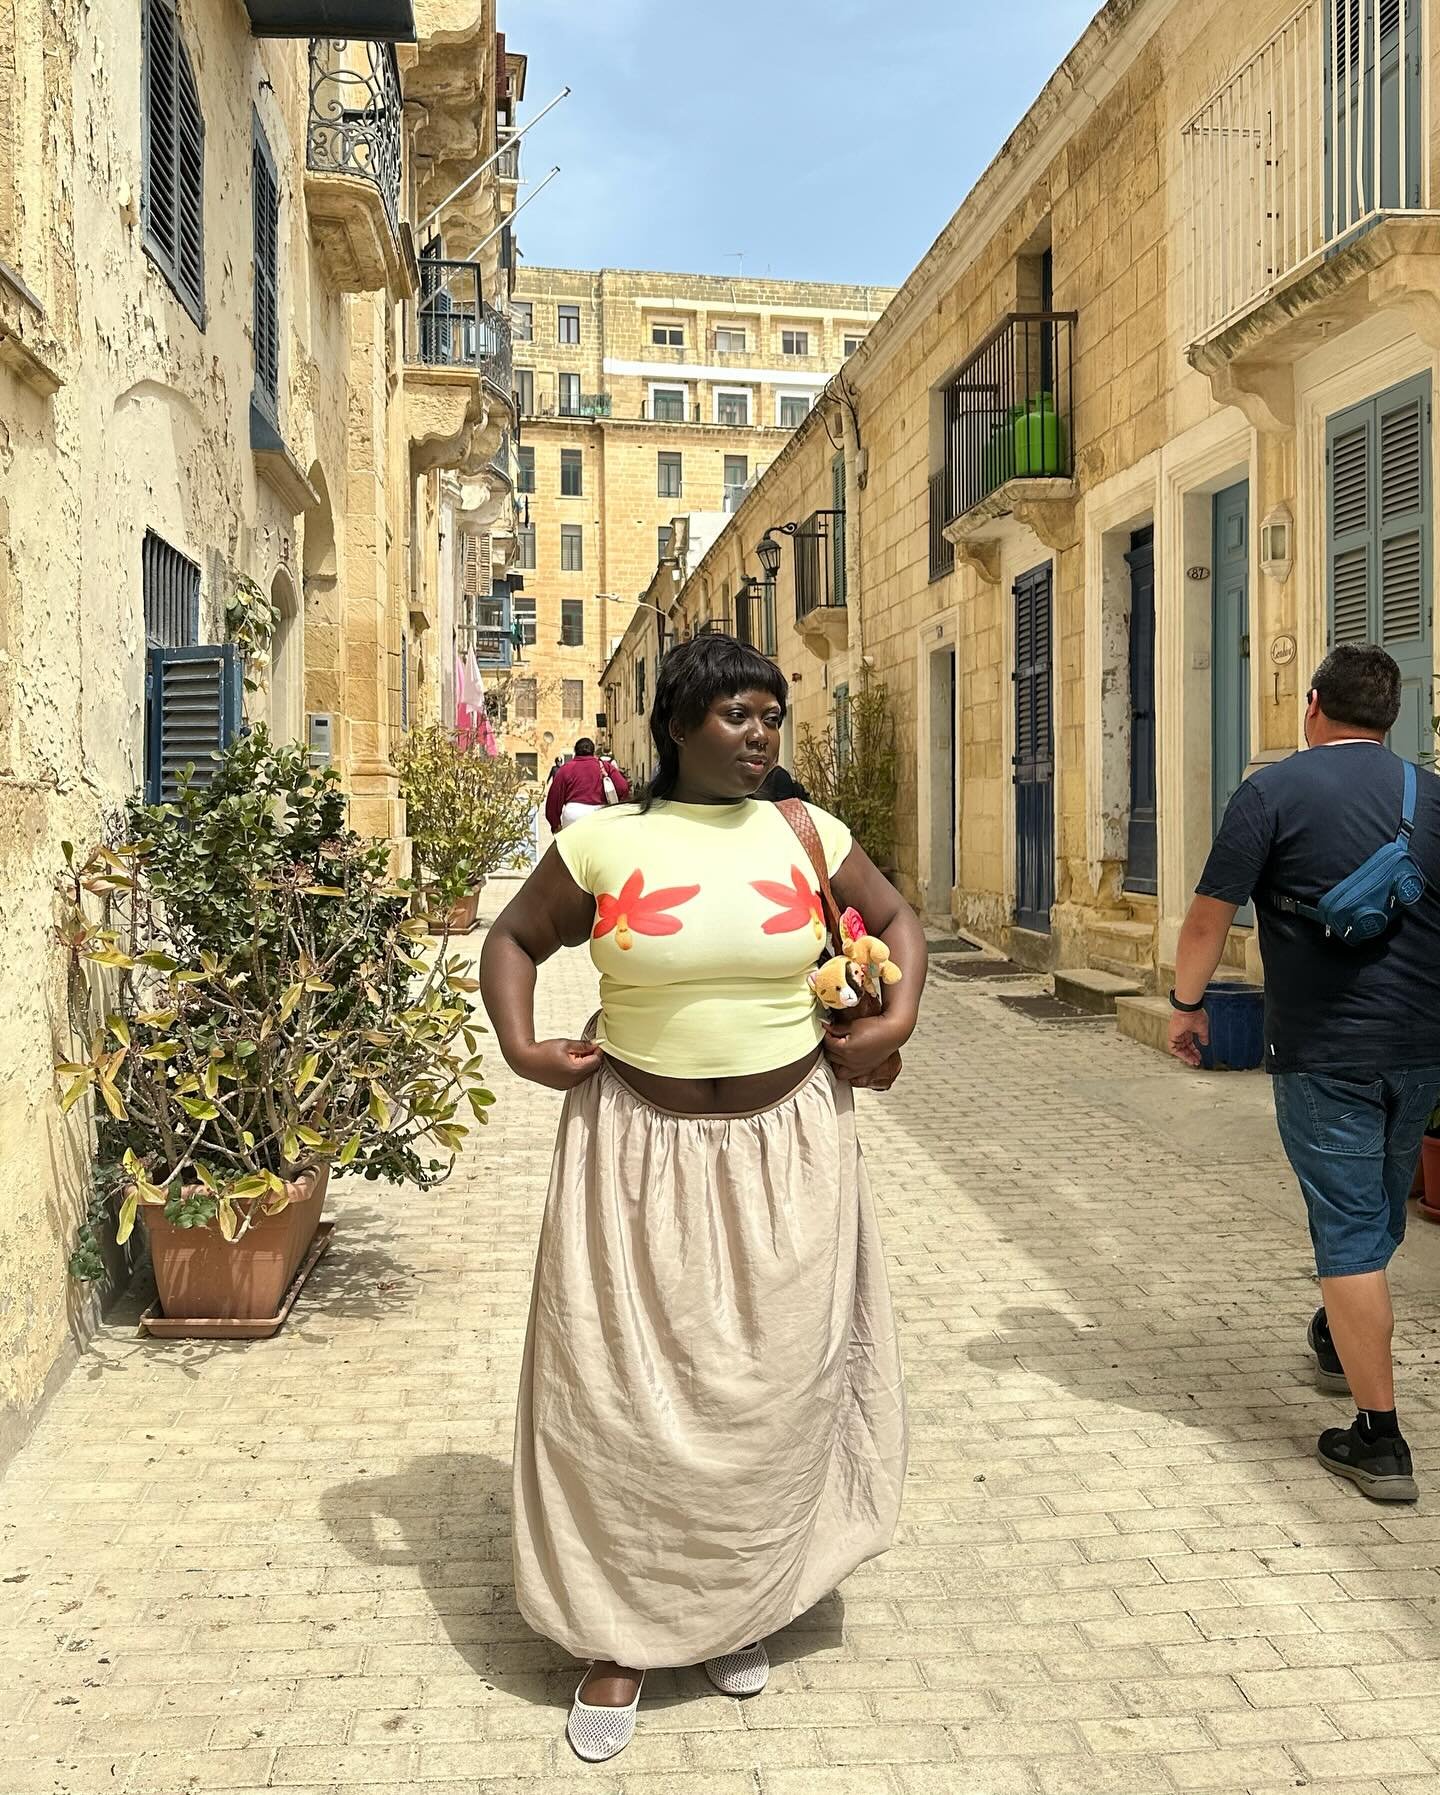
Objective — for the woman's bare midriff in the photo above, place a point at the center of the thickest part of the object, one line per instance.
(716, 1096)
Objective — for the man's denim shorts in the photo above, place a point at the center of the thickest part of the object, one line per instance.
(1353, 1144)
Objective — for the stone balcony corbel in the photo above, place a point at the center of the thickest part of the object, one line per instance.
(1043, 504)
(1392, 263)
(444, 411)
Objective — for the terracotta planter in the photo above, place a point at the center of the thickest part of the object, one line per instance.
(462, 915)
(1429, 1204)
(200, 1273)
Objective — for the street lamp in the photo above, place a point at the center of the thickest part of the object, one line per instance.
(768, 550)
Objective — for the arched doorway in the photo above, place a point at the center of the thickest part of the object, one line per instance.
(287, 662)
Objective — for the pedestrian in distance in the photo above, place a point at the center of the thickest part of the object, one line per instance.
(711, 1426)
(581, 786)
(1340, 849)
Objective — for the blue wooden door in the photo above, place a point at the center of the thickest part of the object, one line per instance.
(1034, 760)
(1142, 858)
(1230, 646)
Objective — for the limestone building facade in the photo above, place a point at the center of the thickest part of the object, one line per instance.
(643, 396)
(1148, 427)
(241, 346)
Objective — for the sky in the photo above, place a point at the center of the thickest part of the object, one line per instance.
(806, 139)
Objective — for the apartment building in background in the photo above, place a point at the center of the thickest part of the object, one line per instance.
(642, 397)
(268, 346)
(1148, 428)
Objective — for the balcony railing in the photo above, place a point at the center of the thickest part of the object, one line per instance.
(1009, 412)
(942, 549)
(453, 327)
(734, 498)
(820, 563)
(1322, 130)
(502, 462)
(755, 617)
(666, 413)
(583, 405)
(355, 114)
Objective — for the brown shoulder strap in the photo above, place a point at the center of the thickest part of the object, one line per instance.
(800, 820)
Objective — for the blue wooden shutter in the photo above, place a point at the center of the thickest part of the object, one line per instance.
(837, 530)
(193, 700)
(1379, 542)
(265, 206)
(172, 190)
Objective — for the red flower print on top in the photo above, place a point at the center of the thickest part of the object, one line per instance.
(799, 905)
(635, 912)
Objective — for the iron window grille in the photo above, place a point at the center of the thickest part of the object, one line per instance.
(172, 182)
(355, 115)
(942, 549)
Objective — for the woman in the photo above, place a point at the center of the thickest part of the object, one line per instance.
(711, 1424)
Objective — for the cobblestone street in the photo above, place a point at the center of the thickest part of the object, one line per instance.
(287, 1565)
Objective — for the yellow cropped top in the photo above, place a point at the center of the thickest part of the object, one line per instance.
(707, 922)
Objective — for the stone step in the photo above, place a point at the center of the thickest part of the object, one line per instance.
(1144, 1019)
(1133, 943)
(1090, 988)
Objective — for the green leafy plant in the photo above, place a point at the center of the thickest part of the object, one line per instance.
(468, 813)
(854, 771)
(251, 619)
(267, 1009)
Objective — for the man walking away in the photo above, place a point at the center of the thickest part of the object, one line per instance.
(585, 784)
(1352, 1023)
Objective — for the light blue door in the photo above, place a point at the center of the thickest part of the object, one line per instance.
(1230, 646)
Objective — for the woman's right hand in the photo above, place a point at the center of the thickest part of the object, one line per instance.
(559, 1065)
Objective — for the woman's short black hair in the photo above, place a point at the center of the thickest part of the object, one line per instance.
(691, 678)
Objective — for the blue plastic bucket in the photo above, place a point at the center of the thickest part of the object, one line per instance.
(1237, 1027)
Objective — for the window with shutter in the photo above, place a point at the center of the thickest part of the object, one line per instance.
(172, 190)
(193, 700)
(265, 203)
(1378, 540)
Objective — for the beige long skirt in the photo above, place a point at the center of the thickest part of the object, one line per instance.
(711, 1427)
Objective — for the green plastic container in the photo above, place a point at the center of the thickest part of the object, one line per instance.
(1039, 433)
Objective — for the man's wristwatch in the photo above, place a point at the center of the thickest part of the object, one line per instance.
(1190, 1009)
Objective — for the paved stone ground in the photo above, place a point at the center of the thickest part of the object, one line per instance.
(286, 1566)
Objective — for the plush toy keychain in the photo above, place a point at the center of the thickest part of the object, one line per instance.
(862, 967)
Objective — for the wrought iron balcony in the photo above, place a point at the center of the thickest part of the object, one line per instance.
(1009, 412)
(755, 617)
(502, 462)
(1321, 132)
(453, 327)
(820, 564)
(394, 19)
(355, 115)
(664, 412)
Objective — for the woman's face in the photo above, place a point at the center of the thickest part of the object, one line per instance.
(728, 754)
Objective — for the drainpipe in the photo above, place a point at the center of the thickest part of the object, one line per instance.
(856, 477)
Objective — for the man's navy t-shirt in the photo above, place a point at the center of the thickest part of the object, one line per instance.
(1298, 828)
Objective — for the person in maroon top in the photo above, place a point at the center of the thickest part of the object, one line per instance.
(579, 787)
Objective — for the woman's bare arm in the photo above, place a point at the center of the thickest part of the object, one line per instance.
(857, 1048)
(549, 912)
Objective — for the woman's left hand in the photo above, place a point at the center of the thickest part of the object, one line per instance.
(856, 1049)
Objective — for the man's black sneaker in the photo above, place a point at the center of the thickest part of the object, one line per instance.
(1329, 1372)
(1380, 1469)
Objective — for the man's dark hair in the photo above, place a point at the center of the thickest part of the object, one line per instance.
(1358, 683)
(691, 678)
(779, 783)
(584, 746)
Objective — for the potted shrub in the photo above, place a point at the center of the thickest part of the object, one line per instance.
(854, 772)
(266, 1019)
(468, 813)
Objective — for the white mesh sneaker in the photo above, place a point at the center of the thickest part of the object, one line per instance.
(745, 1672)
(600, 1733)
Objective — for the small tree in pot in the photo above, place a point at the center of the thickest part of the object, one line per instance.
(468, 814)
(853, 770)
(267, 1014)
